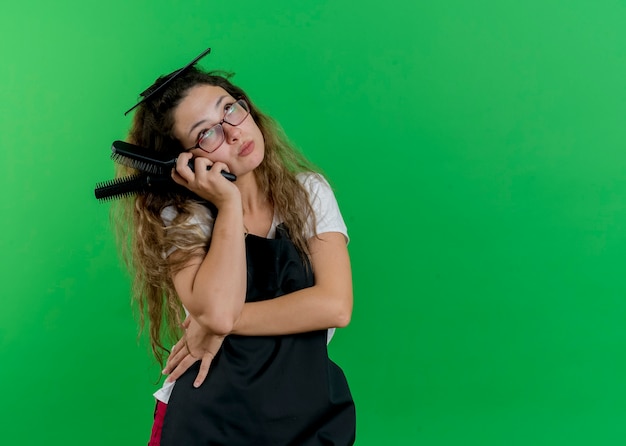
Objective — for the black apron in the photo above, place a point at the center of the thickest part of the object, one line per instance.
(265, 390)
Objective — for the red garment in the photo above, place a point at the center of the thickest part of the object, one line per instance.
(159, 415)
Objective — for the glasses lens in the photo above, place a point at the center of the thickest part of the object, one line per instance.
(237, 113)
(212, 138)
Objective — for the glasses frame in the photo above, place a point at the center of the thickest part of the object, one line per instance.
(146, 94)
(220, 125)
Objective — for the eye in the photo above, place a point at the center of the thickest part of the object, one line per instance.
(230, 108)
(206, 134)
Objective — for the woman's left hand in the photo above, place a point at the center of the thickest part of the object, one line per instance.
(196, 344)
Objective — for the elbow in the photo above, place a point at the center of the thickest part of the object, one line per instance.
(343, 313)
(343, 319)
(220, 325)
(219, 314)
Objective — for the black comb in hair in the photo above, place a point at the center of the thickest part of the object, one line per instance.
(150, 161)
(149, 92)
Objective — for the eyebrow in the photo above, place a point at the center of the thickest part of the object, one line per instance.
(217, 104)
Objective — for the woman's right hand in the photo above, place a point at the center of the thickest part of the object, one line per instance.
(208, 184)
(196, 344)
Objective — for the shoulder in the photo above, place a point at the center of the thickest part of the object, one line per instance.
(314, 183)
(327, 216)
(198, 216)
(185, 228)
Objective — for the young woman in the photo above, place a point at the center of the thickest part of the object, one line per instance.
(259, 265)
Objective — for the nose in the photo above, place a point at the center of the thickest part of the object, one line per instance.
(232, 133)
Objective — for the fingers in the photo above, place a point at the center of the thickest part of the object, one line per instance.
(182, 161)
(187, 362)
(181, 368)
(197, 173)
(206, 169)
(181, 173)
(207, 359)
(201, 164)
(187, 165)
(218, 167)
(186, 322)
(205, 346)
(178, 353)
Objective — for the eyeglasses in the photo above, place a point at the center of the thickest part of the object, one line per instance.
(211, 140)
(149, 92)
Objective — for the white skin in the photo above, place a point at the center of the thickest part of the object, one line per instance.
(213, 287)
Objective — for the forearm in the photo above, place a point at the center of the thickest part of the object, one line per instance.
(305, 310)
(215, 293)
(327, 304)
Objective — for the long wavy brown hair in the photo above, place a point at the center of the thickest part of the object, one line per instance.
(144, 238)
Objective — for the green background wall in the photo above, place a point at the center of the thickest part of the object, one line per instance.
(478, 153)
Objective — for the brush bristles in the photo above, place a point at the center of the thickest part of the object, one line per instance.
(133, 184)
(137, 164)
(120, 187)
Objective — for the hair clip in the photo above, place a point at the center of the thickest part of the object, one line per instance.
(148, 93)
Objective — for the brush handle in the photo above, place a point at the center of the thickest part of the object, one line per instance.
(148, 160)
(229, 176)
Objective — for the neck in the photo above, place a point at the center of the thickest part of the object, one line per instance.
(258, 212)
(252, 198)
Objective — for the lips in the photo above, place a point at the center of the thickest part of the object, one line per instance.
(246, 148)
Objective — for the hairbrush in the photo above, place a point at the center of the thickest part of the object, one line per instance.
(130, 185)
(148, 160)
